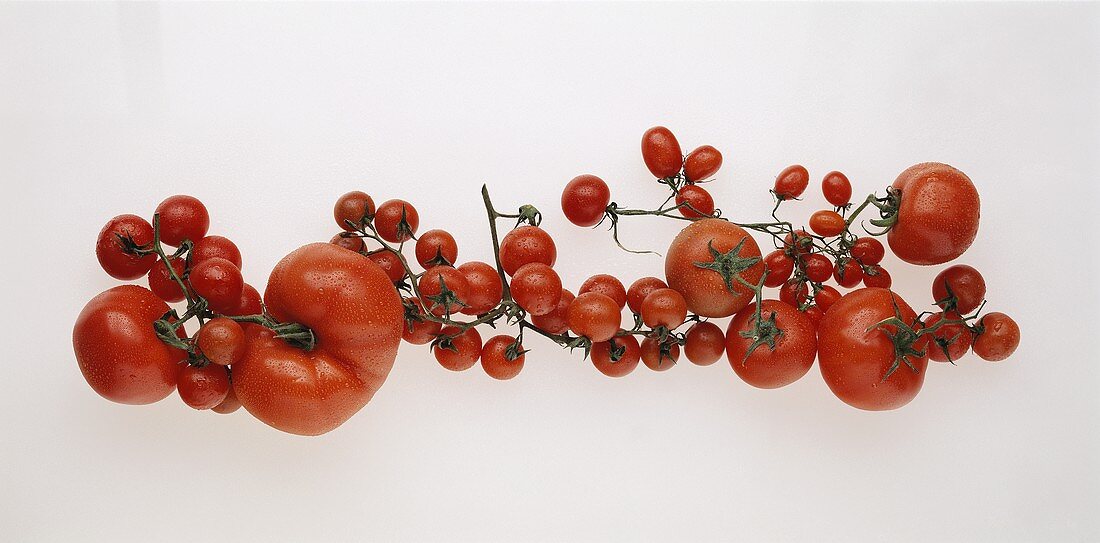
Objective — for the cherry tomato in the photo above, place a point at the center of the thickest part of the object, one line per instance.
(525, 245)
(230, 404)
(798, 242)
(431, 285)
(837, 189)
(998, 339)
(661, 152)
(702, 163)
(664, 307)
(704, 343)
(780, 266)
(594, 316)
(877, 276)
(640, 289)
(182, 217)
(794, 293)
(221, 341)
(608, 285)
(556, 321)
(937, 218)
(536, 287)
(704, 261)
(868, 251)
(791, 182)
(436, 247)
(825, 297)
(485, 290)
(111, 251)
(695, 201)
(950, 342)
(418, 330)
(396, 221)
(795, 338)
(585, 200)
(616, 357)
(352, 244)
(848, 273)
(459, 353)
(827, 223)
(161, 282)
(219, 282)
(659, 356)
(959, 288)
(389, 262)
(118, 351)
(205, 387)
(814, 313)
(219, 247)
(353, 210)
(500, 359)
(818, 267)
(250, 303)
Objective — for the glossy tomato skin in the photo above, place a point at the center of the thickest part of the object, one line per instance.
(351, 244)
(837, 189)
(525, 245)
(556, 321)
(695, 201)
(868, 251)
(182, 217)
(117, 350)
(791, 182)
(654, 359)
(111, 255)
(431, 285)
(938, 216)
(818, 267)
(221, 247)
(703, 289)
(486, 290)
(387, 220)
(702, 163)
(464, 352)
(250, 303)
(494, 359)
(780, 266)
(999, 338)
(230, 404)
(390, 264)
(794, 351)
(963, 282)
(608, 285)
(585, 200)
(854, 357)
(161, 282)
(594, 316)
(950, 342)
(536, 287)
(825, 297)
(794, 292)
(661, 152)
(436, 247)
(356, 318)
(664, 307)
(877, 276)
(221, 341)
(219, 282)
(628, 359)
(848, 273)
(827, 223)
(203, 388)
(704, 343)
(353, 209)
(641, 288)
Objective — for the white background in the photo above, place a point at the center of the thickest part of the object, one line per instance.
(268, 113)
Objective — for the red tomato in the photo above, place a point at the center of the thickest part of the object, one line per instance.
(221, 341)
(791, 182)
(356, 318)
(485, 290)
(937, 218)
(703, 264)
(500, 359)
(827, 223)
(205, 387)
(856, 357)
(616, 357)
(640, 289)
(431, 285)
(459, 353)
(959, 288)
(818, 267)
(780, 266)
(182, 217)
(418, 330)
(704, 343)
(219, 247)
(998, 338)
(825, 297)
(353, 210)
(556, 321)
(659, 356)
(249, 303)
(795, 345)
(161, 282)
(950, 342)
(389, 262)
(661, 152)
(814, 313)
(396, 221)
(351, 244)
(525, 245)
(594, 316)
(584, 200)
(230, 404)
(794, 293)
(868, 251)
(848, 273)
(702, 163)
(219, 282)
(436, 247)
(111, 251)
(664, 307)
(877, 276)
(608, 285)
(798, 242)
(837, 189)
(118, 351)
(695, 202)
(536, 287)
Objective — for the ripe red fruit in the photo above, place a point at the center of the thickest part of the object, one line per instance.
(219, 282)
(353, 209)
(219, 247)
(608, 285)
(585, 200)
(182, 217)
(111, 251)
(837, 189)
(791, 182)
(695, 202)
(661, 152)
(702, 163)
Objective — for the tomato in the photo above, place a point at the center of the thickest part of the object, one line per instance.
(695, 201)
(868, 251)
(111, 251)
(825, 297)
(431, 285)
(702, 163)
(525, 245)
(556, 321)
(396, 221)
(418, 330)
(219, 247)
(205, 387)
(818, 267)
(959, 288)
(664, 307)
(794, 292)
(161, 282)
(219, 282)
(703, 264)
(659, 356)
(182, 218)
(661, 152)
(767, 366)
(118, 351)
(536, 287)
(608, 285)
(877, 276)
(436, 247)
(353, 210)
(594, 316)
(814, 313)
(616, 357)
(937, 218)
(791, 182)
(848, 273)
(780, 266)
(640, 289)
(459, 353)
(837, 189)
(798, 242)
(485, 290)
(356, 318)
(221, 341)
(230, 404)
(501, 357)
(250, 303)
(389, 262)
(827, 223)
(704, 343)
(584, 200)
(856, 357)
(998, 338)
(352, 244)
(950, 341)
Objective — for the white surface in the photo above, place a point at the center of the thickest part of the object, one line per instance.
(268, 113)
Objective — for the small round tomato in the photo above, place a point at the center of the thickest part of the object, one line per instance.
(230, 404)
(641, 288)
(396, 221)
(776, 353)
(703, 264)
(798, 242)
(352, 244)
(502, 357)
(556, 321)
(486, 289)
(353, 210)
(661, 152)
(877, 276)
(594, 316)
(221, 341)
(112, 246)
(218, 247)
(431, 286)
(827, 223)
(219, 282)
(818, 267)
(950, 342)
(182, 218)
(536, 287)
(584, 200)
(868, 251)
(694, 202)
(791, 182)
(848, 273)
(837, 189)
(161, 282)
(659, 356)
(250, 303)
(998, 337)
(702, 163)
(825, 297)
(937, 217)
(418, 329)
(389, 262)
(794, 293)
(203, 387)
(616, 357)
(436, 247)
(780, 266)
(814, 313)
(458, 353)
(608, 285)
(664, 307)
(525, 245)
(704, 343)
(959, 288)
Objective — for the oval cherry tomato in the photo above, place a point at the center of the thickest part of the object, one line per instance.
(837, 189)
(436, 247)
(999, 337)
(418, 329)
(780, 266)
(501, 358)
(161, 282)
(818, 267)
(205, 387)
(795, 338)
(182, 218)
(791, 182)
(584, 200)
(661, 152)
(937, 218)
(959, 288)
(594, 316)
(640, 289)
(848, 273)
(827, 223)
(459, 353)
(877, 276)
(616, 357)
(220, 247)
(525, 245)
(536, 287)
(825, 297)
(353, 210)
(219, 282)
(431, 285)
(556, 321)
(221, 341)
(794, 293)
(702, 163)
(704, 343)
(695, 201)
(608, 285)
(113, 240)
(389, 262)
(396, 221)
(664, 307)
(352, 244)
(703, 256)
(950, 342)
(868, 251)
(485, 290)
(230, 404)
(659, 356)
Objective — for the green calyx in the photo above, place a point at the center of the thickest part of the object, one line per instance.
(729, 264)
(763, 332)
